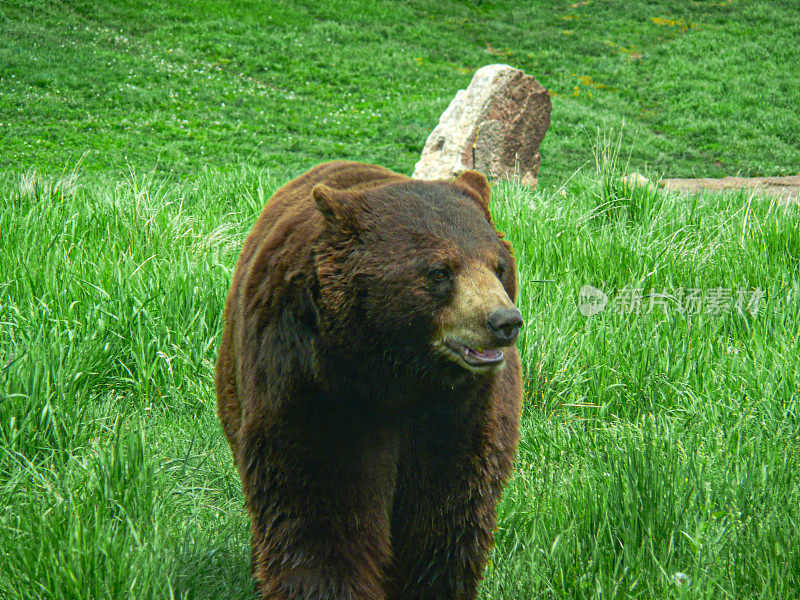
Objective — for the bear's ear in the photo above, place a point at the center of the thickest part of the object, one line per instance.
(335, 205)
(477, 183)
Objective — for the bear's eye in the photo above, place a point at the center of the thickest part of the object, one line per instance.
(439, 274)
(500, 270)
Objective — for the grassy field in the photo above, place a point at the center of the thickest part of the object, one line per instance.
(660, 455)
(702, 87)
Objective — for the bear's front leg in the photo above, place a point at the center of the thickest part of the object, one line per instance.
(450, 478)
(441, 559)
(443, 523)
(320, 511)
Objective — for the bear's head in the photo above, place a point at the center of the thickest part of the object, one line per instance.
(413, 275)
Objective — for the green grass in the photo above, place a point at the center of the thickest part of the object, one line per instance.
(702, 87)
(653, 444)
(138, 141)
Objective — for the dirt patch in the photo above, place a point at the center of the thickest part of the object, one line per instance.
(785, 188)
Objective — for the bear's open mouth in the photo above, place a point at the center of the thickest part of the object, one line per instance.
(476, 357)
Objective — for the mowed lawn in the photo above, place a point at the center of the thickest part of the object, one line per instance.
(660, 453)
(699, 86)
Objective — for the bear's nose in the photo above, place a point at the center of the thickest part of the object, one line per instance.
(504, 323)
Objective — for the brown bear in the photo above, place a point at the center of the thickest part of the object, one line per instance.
(368, 385)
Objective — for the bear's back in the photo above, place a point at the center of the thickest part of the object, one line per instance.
(291, 213)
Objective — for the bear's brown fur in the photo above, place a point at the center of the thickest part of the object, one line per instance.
(368, 385)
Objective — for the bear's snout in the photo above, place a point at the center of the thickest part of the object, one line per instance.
(504, 325)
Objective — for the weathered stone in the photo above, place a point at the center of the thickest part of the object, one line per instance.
(495, 126)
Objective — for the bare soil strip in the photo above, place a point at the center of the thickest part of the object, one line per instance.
(786, 188)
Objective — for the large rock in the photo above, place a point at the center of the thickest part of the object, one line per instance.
(495, 126)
